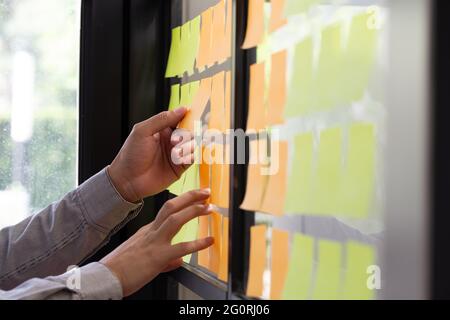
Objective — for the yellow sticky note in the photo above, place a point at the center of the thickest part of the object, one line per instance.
(327, 184)
(279, 263)
(328, 78)
(277, 88)
(359, 258)
(205, 51)
(256, 110)
(359, 57)
(218, 31)
(301, 87)
(174, 97)
(187, 233)
(298, 281)
(255, 24)
(223, 270)
(275, 192)
(185, 95)
(203, 232)
(359, 174)
(328, 274)
(185, 44)
(301, 177)
(299, 6)
(257, 262)
(227, 120)
(177, 187)
(191, 181)
(228, 29)
(217, 114)
(192, 45)
(175, 63)
(198, 105)
(277, 17)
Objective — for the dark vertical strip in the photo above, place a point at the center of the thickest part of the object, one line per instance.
(441, 170)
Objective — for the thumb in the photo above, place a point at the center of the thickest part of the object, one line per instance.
(163, 120)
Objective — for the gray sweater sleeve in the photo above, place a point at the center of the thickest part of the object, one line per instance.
(65, 233)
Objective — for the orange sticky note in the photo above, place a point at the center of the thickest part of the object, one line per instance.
(198, 105)
(256, 182)
(205, 51)
(256, 110)
(277, 18)
(275, 192)
(223, 270)
(279, 263)
(277, 89)
(257, 263)
(228, 100)
(218, 33)
(216, 171)
(214, 250)
(217, 115)
(228, 29)
(203, 232)
(255, 24)
(205, 174)
(220, 178)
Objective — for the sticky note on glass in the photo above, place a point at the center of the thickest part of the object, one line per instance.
(227, 100)
(301, 86)
(187, 233)
(277, 17)
(277, 88)
(203, 232)
(191, 181)
(191, 44)
(217, 114)
(198, 105)
(328, 79)
(298, 281)
(188, 92)
(257, 262)
(275, 192)
(177, 187)
(279, 263)
(175, 61)
(255, 24)
(220, 179)
(301, 177)
(256, 181)
(218, 33)
(256, 109)
(328, 181)
(328, 273)
(360, 57)
(214, 251)
(174, 97)
(228, 29)
(298, 6)
(223, 270)
(359, 258)
(205, 51)
(359, 174)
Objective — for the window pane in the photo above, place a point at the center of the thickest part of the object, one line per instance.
(39, 54)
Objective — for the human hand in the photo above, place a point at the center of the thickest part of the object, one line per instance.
(144, 165)
(149, 252)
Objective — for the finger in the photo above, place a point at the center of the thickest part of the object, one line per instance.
(182, 151)
(185, 248)
(173, 265)
(172, 225)
(163, 120)
(179, 203)
(180, 136)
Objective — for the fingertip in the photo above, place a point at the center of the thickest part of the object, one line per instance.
(180, 111)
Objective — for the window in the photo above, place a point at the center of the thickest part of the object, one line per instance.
(39, 54)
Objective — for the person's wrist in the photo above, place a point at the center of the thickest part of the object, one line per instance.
(122, 185)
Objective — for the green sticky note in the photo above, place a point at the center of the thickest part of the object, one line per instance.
(298, 6)
(359, 57)
(193, 89)
(192, 180)
(328, 77)
(192, 46)
(186, 234)
(174, 97)
(185, 99)
(328, 274)
(175, 57)
(300, 89)
(177, 187)
(359, 172)
(359, 258)
(298, 280)
(185, 62)
(299, 192)
(327, 183)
